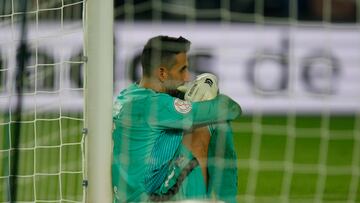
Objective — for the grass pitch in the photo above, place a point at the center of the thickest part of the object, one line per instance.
(298, 158)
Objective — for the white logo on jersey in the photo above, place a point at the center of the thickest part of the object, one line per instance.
(182, 106)
(169, 177)
(116, 108)
(115, 193)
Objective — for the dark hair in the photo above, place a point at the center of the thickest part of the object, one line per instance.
(161, 50)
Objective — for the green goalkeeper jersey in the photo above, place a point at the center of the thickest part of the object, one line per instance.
(148, 129)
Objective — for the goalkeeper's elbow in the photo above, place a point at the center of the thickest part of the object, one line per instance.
(233, 109)
(237, 110)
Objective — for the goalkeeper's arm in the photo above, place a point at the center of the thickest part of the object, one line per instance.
(206, 88)
(179, 114)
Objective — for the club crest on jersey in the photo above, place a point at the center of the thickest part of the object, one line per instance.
(182, 106)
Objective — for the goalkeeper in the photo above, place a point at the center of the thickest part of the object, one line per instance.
(151, 160)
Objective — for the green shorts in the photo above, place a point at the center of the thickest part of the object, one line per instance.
(184, 179)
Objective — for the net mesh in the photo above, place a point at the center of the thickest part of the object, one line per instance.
(50, 165)
(311, 154)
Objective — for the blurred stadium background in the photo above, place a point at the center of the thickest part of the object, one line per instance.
(293, 65)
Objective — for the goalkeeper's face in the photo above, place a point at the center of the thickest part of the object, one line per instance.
(178, 74)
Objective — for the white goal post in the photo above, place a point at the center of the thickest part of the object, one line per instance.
(98, 97)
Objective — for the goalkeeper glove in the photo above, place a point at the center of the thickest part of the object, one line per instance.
(204, 87)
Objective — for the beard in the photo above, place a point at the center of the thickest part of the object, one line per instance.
(171, 88)
(176, 93)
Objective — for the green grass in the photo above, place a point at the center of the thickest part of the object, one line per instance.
(50, 167)
(51, 150)
(314, 141)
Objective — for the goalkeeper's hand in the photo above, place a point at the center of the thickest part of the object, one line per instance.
(204, 87)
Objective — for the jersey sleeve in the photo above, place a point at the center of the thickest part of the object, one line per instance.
(169, 112)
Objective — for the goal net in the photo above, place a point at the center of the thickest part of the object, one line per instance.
(46, 158)
(291, 65)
